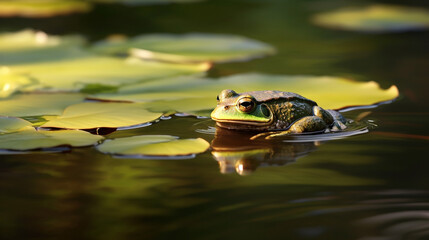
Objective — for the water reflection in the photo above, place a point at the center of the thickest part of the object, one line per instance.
(234, 151)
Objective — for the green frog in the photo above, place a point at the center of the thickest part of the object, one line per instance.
(275, 113)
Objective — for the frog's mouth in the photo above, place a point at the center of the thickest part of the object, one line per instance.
(257, 120)
(245, 122)
(244, 125)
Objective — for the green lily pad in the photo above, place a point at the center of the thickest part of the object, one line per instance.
(11, 83)
(38, 104)
(154, 145)
(376, 18)
(12, 124)
(101, 114)
(32, 139)
(41, 8)
(76, 73)
(34, 46)
(188, 47)
(29, 39)
(195, 94)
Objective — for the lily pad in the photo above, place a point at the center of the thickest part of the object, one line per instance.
(11, 83)
(154, 145)
(12, 124)
(30, 39)
(376, 18)
(36, 46)
(101, 114)
(188, 47)
(33, 139)
(38, 104)
(76, 73)
(195, 95)
(41, 8)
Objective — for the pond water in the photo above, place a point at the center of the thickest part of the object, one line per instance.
(368, 186)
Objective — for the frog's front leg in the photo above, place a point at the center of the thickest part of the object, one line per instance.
(305, 124)
(325, 115)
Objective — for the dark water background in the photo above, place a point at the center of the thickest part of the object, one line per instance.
(366, 187)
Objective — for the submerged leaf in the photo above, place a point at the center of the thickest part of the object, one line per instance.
(101, 114)
(376, 18)
(12, 124)
(38, 104)
(41, 8)
(32, 139)
(76, 73)
(188, 47)
(154, 145)
(194, 94)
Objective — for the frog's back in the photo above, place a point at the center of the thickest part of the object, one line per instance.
(287, 107)
(264, 96)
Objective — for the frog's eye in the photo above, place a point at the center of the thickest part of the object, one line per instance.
(246, 104)
(217, 98)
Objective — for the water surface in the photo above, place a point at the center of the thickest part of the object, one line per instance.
(369, 186)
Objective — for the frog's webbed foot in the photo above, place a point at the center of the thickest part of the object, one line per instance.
(338, 126)
(264, 135)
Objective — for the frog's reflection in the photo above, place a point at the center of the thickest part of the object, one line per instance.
(234, 151)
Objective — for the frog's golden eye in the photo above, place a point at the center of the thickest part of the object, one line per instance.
(246, 104)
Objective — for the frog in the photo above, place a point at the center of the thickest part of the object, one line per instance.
(274, 114)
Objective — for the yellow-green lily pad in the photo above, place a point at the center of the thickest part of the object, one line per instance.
(375, 18)
(28, 46)
(11, 83)
(196, 47)
(154, 145)
(33, 139)
(30, 39)
(76, 73)
(200, 94)
(13, 124)
(41, 8)
(38, 104)
(102, 115)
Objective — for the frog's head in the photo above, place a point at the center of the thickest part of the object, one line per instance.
(241, 111)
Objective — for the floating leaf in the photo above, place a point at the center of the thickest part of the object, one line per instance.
(376, 18)
(30, 39)
(154, 145)
(41, 8)
(21, 105)
(199, 94)
(12, 124)
(32, 139)
(188, 47)
(35, 46)
(76, 73)
(101, 114)
(10, 83)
